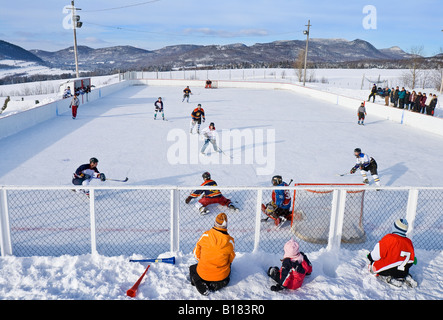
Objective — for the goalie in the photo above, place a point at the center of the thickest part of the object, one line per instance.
(279, 208)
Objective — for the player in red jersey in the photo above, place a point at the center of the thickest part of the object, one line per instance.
(393, 255)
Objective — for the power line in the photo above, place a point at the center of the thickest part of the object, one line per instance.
(127, 6)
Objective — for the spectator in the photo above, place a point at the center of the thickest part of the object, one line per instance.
(431, 104)
(423, 103)
(67, 93)
(373, 93)
(401, 98)
(396, 92)
(215, 253)
(412, 100)
(417, 102)
(386, 94)
(407, 101)
(392, 95)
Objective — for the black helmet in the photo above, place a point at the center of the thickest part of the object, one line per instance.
(206, 176)
(276, 180)
(93, 160)
(357, 150)
(212, 125)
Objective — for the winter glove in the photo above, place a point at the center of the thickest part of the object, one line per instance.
(102, 176)
(277, 288)
(353, 170)
(188, 199)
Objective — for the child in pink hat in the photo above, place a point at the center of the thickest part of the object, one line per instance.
(295, 266)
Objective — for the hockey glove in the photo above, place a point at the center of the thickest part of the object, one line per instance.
(102, 176)
(188, 199)
(353, 170)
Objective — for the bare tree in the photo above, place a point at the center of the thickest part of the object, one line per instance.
(412, 76)
(299, 64)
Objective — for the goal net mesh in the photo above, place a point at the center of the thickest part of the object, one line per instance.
(312, 212)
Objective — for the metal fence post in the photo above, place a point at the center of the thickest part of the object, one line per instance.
(258, 219)
(175, 205)
(6, 246)
(411, 210)
(92, 217)
(336, 222)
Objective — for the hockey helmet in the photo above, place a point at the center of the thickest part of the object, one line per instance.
(357, 151)
(212, 125)
(93, 160)
(276, 180)
(206, 175)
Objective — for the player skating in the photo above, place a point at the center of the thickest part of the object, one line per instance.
(209, 196)
(85, 173)
(279, 208)
(361, 113)
(210, 136)
(365, 164)
(197, 116)
(186, 93)
(393, 256)
(159, 108)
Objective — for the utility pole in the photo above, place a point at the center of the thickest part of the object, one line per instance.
(306, 32)
(75, 23)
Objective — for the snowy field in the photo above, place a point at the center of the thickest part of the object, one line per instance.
(314, 141)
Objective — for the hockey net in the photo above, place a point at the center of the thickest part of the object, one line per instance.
(311, 212)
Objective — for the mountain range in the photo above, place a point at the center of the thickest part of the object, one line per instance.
(320, 51)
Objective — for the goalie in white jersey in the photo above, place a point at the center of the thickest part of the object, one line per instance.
(365, 164)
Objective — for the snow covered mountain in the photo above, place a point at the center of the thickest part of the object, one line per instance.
(185, 55)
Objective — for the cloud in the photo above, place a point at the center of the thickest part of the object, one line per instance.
(225, 33)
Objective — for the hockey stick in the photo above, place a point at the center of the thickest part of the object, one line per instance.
(165, 260)
(124, 180)
(342, 174)
(133, 291)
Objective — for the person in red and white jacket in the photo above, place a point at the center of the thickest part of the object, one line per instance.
(393, 255)
(295, 266)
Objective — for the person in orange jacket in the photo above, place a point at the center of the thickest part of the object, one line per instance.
(215, 253)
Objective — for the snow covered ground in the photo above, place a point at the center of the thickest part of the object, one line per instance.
(314, 140)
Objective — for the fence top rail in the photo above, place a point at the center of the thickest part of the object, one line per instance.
(146, 187)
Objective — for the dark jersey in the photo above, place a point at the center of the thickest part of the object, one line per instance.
(82, 168)
(198, 114)
(212, 193)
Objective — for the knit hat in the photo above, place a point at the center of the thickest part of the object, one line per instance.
(292, 251)
(400, 227)
(221, 221)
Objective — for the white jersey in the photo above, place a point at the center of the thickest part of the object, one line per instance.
(209, 134)
(363, 160)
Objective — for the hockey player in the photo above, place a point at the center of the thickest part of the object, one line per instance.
(279, 208)
(86, 172)
(361, 113)
(393, 255)
(215, 253)
(74, 106)
(197, 116)
(365, 164)
(159, 108)
(209, 196)
(295, 266)
(186, 93)
(210, 136)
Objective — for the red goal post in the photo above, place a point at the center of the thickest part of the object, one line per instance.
(311, 209)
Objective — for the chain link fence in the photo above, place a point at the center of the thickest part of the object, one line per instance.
(152, 220)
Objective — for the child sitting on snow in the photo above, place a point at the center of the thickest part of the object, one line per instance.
(295, 266)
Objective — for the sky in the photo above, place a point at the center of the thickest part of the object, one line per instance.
(154, 24)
